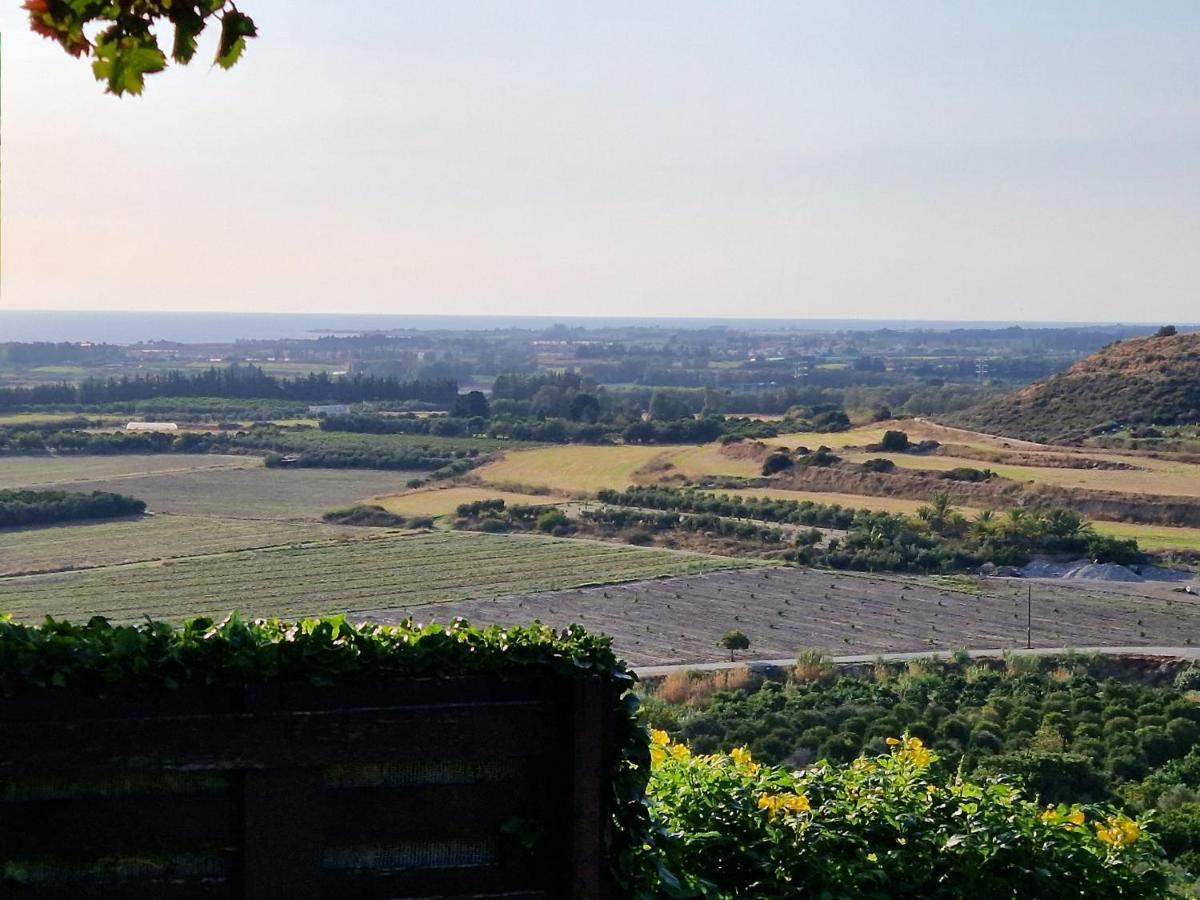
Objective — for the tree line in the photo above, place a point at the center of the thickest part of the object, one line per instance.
(24, 507)
(232, 382)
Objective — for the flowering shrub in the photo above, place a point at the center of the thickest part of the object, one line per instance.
(884, 827)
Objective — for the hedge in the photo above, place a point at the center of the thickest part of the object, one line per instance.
(237, 653)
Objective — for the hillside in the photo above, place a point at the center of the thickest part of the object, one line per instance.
(1143, 381)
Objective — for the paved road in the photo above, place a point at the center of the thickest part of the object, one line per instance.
(1176, 652)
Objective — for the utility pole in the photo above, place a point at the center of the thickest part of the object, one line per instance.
(1029, 618)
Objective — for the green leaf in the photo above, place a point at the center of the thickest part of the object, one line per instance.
(188, 25)
(125, 62)
(235, 28)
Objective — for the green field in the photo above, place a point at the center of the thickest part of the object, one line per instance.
(389, 572)
(33, 418)
(87, 545)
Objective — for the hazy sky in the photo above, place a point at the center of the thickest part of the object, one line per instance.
(986, 160)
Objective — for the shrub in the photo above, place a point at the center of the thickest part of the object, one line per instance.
(891, 826)
(813, 665)
(1188, 679)
(367, 514)
(552, 519)
(776, 462)
(881, 465)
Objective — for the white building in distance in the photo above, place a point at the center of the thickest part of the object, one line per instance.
(330, 409)
(151, 426)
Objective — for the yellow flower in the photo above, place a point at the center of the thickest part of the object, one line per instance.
(657, 754)
(912, 749)
(740, 755)
(774, 804)
(679, 751)
(770, 803)
(659, 737)
(1077, 817)
(1119, 831)
(796, 803)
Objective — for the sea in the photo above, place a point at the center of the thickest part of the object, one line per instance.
(225, 328)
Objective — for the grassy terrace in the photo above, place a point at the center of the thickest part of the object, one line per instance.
(579, 468)
(391, 571)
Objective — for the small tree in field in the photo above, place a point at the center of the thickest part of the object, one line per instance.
(894, 441)
(734, 640)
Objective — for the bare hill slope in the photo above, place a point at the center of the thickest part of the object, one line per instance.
(1143, 381)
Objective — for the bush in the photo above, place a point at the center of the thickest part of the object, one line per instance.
(776, 462)
(552, 519)
(366, 514)
(891, 826)
(1188, 679)
(1050, 777)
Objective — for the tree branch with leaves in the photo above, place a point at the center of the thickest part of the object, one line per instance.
(120, 35)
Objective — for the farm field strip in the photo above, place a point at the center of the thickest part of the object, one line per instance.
(581, 468)
(830, 498)
(436, 574)
(682, 619)
(44, 471)
(95, 544)
(33, 418)
(444, 501)
(1181, 480)
(256, 493)
(383, 571)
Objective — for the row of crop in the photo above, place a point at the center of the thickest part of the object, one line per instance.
(937, 539)
(784, 512)
(623, 517)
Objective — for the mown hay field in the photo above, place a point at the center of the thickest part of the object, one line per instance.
(582, 469)
(387, 572)
(917, 430)
(444, 501)
(854, 437)
(84, 545)
(1167, 478)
